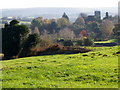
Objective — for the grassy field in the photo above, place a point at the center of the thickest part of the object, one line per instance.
(24, 22)
(108, 41)
(95, 69)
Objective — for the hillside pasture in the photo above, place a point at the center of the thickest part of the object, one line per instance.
(95, 69)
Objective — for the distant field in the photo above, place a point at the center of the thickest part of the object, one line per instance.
(108, 41)
(24, 22)
(1, 25)
(21, 22)
(95, 69)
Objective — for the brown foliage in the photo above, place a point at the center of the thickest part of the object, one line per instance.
(106, 28)
(59, 49)
(67, 34)
(36, 30)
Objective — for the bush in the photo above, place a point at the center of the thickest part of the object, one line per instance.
(55, 47)
(79, 42)
(87, 42)
(31, 42)
(68, 43)
(50, 50)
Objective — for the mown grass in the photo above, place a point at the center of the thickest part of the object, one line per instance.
(95, 69)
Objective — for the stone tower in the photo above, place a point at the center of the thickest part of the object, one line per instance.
(98, 15)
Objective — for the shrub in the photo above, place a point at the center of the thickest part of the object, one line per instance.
(79, 42)
(87, 42)
(55, 47)
(68, 43)
(31, 42)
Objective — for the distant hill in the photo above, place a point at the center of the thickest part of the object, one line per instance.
(56, 12)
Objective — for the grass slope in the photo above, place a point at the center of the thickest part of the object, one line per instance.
(95, 69)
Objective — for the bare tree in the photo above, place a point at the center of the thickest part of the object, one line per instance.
(66, 33)
(106, 28)
(36, 30)
(80, 20)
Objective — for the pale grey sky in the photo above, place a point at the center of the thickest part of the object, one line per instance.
(5, 4)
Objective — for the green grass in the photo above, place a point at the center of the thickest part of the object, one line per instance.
(95, 69)
(25, 22)
(108, 41)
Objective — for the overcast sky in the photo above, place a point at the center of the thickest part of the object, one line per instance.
(6, 4)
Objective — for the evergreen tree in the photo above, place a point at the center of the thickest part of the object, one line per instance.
(65, 16)
(13, 36)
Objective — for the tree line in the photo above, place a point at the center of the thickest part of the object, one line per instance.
(18, 39)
